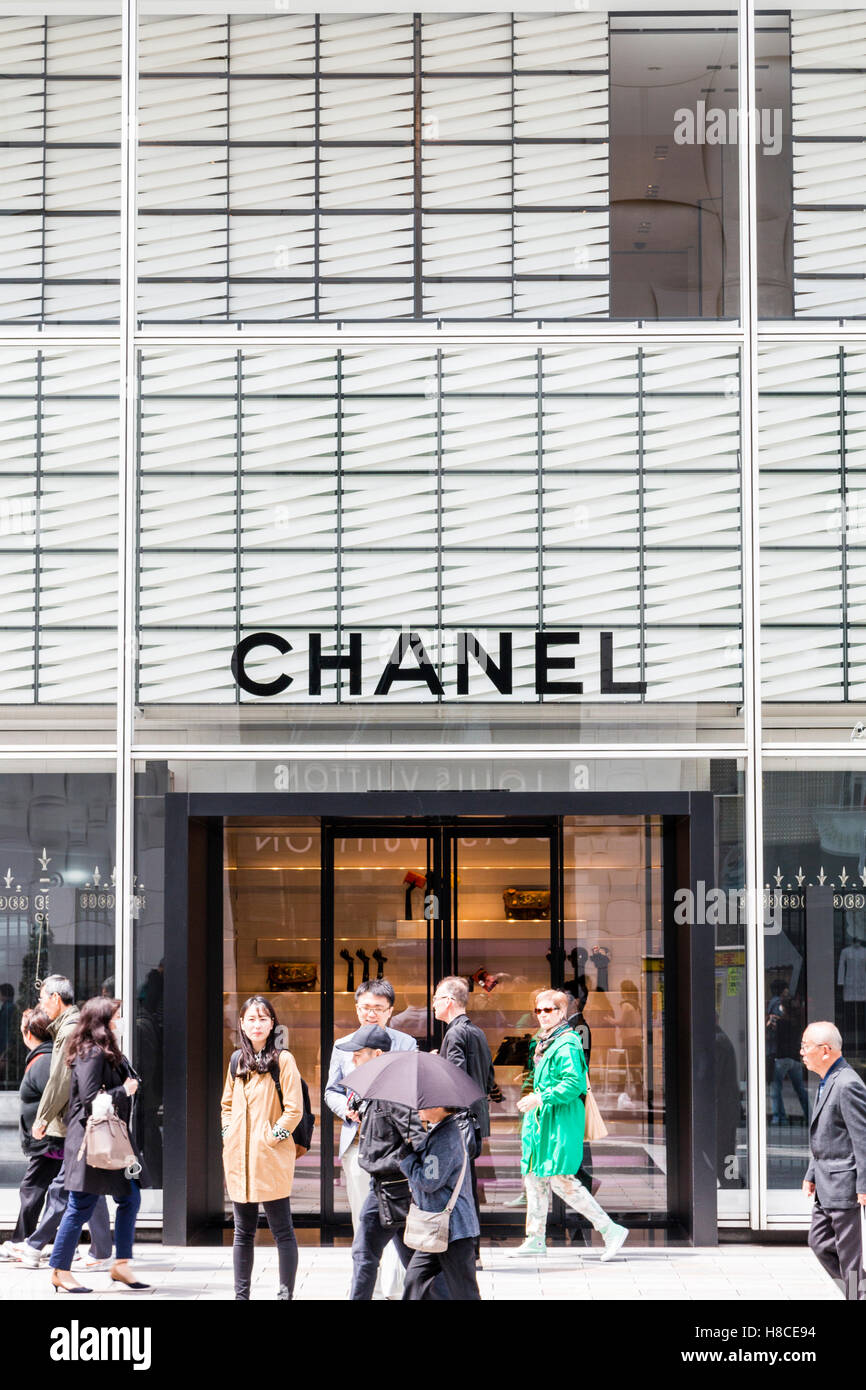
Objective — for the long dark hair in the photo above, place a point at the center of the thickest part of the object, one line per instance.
(249, 1059)
(93, 1032)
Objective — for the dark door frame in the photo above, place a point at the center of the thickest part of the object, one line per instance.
(193, 1190)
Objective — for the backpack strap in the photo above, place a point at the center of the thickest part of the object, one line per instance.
(274, 1070)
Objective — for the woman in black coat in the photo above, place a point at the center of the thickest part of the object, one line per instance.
(97, 1064)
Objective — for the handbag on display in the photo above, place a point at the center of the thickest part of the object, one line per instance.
(394, 1200)
(106, 1143)
(595, 1125)
(428, 1230)
(522, 904)
(288, 975)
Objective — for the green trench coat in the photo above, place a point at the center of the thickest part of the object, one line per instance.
(552, 1135)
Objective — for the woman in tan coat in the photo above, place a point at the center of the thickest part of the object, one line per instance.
(258, 1149)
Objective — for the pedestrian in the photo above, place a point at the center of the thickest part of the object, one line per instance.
(385, 1128)
(374, 1004)
(782, 1045)
(553, 1130)
(44, 1156)
(836, 1175)
(466, 1046)
(436, 1168)
(97, 1064)
(57, 1000)
(262, 1103)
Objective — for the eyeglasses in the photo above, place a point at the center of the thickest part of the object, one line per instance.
(373, 1008)
(551, 1010)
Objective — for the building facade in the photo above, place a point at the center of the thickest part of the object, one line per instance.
(432, 538)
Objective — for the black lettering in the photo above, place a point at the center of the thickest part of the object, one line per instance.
(338, 662)
(544, 663)
(242, 651)
(501, 676)
(608, 685)
(409, 641)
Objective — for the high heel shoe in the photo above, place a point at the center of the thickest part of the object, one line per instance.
(59, 1287)
(129, 1283)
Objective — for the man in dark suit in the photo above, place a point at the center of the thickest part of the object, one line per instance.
(836, 1175)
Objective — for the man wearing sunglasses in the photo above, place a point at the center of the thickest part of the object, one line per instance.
(553, 1129)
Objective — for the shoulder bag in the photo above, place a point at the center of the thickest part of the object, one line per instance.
(595, 1125)
(106, 1143)
(428, 1230)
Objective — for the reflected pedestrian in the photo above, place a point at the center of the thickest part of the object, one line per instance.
(44, 1156)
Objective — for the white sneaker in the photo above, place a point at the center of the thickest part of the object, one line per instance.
(11, 1250)
(615, 1238)
(533, 1245)
(518, 1201)
(31, 1258)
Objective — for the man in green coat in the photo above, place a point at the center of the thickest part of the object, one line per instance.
(553, 1128)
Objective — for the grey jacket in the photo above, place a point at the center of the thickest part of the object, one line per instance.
(837, 1139)
(336, 1098)
(55, 1097)
(433, 1170)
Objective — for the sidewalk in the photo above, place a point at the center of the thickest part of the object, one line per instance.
(723, 1274)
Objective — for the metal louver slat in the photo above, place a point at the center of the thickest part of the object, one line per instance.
(187, 590)
(490, 588)
(388, 434)
(694, 587)
(585, 508)
(303, 585)
(88, 45)
(476, 42)
(288, 510)
(78, 668)
(492, 510)
(561, 40)
(185, 43)
(273, 43)
(352, 43)
(605, 585)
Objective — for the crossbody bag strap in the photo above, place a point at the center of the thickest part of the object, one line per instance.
(456, 1193)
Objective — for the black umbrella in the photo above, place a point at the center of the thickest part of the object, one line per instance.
(417, 1079)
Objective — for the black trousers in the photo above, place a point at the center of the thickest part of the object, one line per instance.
(279, 1215)
(457, 1267)
(38, 1177)
(835, 1240)
(368, 1247)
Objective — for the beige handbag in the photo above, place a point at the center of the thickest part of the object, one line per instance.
(428, 1230)
(106, 1143)
(595, 1125)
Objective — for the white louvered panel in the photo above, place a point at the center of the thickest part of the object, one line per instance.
(826, 103)
(799, 432)
(91, 371)
(693, 367)
(178, 512)
(392, 434)
(467, 299)
(83, 246)
(825, 39)
(17, 371)
(393, 369)
(493, 587)
(546, 175)
(477, 42)
(694, 586)
(856, 664)
(78, 513)
(288, 511)
(694, 432)
(188, 371)
(196, 177)
(467, 108)
(703, 508)
(855, 371)
(603, 585)
(273, 303)
(16, 671)
(831, 173)
(396, 587)
(311, 370)
(561, 40)
(366, 109)
(464, 246)
(567, 107)
(83, 111)
(21, 108)
(78, 668)
(263, 178)
(367, 245)
(554, 299)
(500, 432)
(186, 667)
(372, 302)
(801, 509)
(20, 247)
(302, 586)
(695, 664)
(378, 42)
(360, 178)
(21, 179)
(72, 302)
(490, 510)
(18, 513)
(801, 586)
(273, 43)
(796, 669)
(177, 245)
(830, 299)
(85, 46)
(271, 246)
(594, 433)
(466, 177)
(80, 435)
(791, 366)
(829, 243)
(187, 590)
(857, 571)
(268, 110)
(22, 43)
(17, 587)
(376, 513)
(855, 433)
(78, 590)
(185, 43)
(561, 244)
(289, 434)
(496, 369)
(601, 369)
(17, 435)
(189, 435)
(481, 689)
(590, 509)
(182, 108)
(175, 303)
(76, 179)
